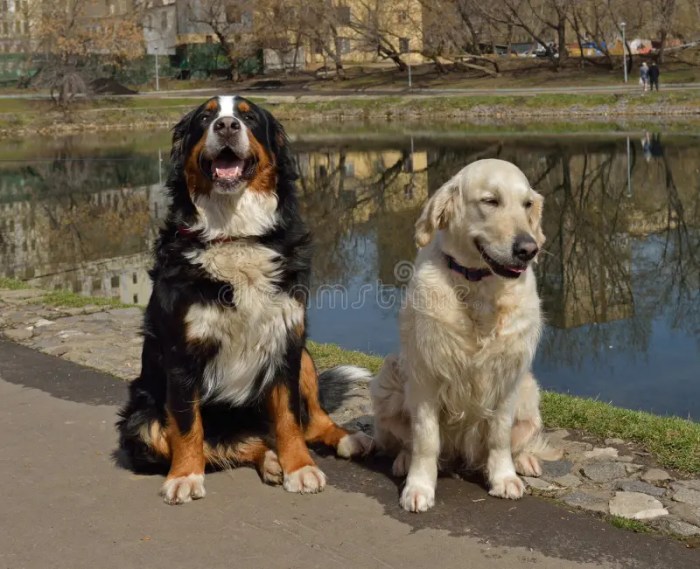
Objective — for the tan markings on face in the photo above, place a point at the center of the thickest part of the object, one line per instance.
(187, 448)
(321, 427)
(291, 449)
(197, 182)
(212, 105)
(243, 107)
(265, 178)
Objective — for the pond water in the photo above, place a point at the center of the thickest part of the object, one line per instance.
(620, 283)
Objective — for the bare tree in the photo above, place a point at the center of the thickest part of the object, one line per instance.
(231, 23)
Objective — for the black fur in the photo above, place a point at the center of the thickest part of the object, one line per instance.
(172, 368)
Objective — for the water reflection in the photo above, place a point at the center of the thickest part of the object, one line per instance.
(620, 279)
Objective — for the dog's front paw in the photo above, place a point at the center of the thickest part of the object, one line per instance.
(417, 497)
(271, 471)
(355, 444)
(527, 464)
(306, 480)
(401, 464)
(509, 486)
(183, 489)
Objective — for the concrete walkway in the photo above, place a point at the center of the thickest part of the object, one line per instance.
(66, 504)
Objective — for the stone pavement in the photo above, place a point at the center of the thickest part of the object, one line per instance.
(604, 477)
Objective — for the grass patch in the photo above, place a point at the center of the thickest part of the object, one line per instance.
(13, 284)
(67, 299)
(627, 524)
(675, 442)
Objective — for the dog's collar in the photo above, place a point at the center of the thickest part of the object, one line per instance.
(183, 231)
(472, 275)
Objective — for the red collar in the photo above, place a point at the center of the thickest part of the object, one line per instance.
(183, 231)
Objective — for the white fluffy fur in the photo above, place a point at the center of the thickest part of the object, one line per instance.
(241, 214)
(253, 337)
(461, 386)
(183, 489)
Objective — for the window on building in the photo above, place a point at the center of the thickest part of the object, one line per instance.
(318, 47)
(115, 281)
(163, 20)
(404, 45)
(209, 39)
(343, 15)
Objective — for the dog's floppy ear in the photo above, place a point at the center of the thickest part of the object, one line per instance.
(535, 218)
(180, 132)
(279, 143)
(436, 213)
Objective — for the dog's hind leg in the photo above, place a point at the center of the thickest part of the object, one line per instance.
(249, 451)
(392, 424)
(528, 442)
(321, 428)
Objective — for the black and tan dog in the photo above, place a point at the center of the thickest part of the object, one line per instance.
(226, 378)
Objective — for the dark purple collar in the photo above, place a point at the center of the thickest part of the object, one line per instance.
(472, 275)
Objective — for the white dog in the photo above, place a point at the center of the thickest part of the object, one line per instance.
(461, 387)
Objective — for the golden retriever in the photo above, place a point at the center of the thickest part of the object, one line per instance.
(461, 388)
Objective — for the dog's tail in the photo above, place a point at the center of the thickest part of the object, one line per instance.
(345, 374)
(337, 384)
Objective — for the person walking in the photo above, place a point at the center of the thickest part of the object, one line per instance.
(644, 77)
(654, 73)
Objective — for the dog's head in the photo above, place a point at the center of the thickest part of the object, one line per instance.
(488, 215)
(229, 145)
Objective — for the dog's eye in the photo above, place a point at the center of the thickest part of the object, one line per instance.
(528, 204)
(490, 201)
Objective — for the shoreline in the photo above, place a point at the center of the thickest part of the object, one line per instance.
(22, 119)
(618, 464)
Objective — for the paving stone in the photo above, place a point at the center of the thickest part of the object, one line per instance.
(636, 506)
(575, 447)
(679, 527)
(19, 334)
(631, 468)
(43, 322)
(557, 435)
(567, 481)
(555, 468)
(56, 350)
(686, 495)
(601, 453)
(685, 512)
(539, 484)
(614, 442)
(655, 475)
(592, 501)
(638, 486)
(690, 484)
(605, 471)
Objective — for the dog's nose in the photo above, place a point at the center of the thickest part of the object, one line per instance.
(226, 125)
(524, 248)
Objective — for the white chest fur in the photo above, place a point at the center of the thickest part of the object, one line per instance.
(253, 336)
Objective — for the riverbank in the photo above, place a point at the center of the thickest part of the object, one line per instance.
(22, 116)
(640, 471)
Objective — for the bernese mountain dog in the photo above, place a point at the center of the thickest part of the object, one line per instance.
(226, 378)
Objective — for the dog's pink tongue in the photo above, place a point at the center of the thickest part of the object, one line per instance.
(227, 168)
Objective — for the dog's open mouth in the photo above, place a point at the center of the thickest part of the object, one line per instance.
(228, 169)
(506, 271)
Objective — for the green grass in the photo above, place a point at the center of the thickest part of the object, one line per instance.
(675, 442)
(627, 524)
(12, 284)
(65, 299)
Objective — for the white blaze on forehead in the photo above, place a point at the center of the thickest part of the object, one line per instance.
(226, 106)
